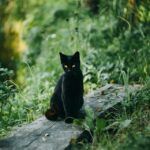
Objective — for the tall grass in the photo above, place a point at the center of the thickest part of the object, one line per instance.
(108, 48)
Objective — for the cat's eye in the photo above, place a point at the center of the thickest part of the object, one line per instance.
(65, 66)
(73, 66)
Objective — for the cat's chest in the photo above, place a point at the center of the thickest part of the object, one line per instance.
(72, 79)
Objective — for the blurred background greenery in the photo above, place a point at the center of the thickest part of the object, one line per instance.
(112, 37)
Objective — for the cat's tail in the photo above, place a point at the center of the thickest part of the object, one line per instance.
(52, 113)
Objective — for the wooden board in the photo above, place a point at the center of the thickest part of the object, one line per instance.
(47, 135)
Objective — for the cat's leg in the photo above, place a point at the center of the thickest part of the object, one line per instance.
(61, 114)
(67, 109)
(77, 114)
(73, 110)
(76, 108)
(81, 110)
(69, 119)
(68, 112)
(72, 114)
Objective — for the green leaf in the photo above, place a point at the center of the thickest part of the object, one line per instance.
(100, 125)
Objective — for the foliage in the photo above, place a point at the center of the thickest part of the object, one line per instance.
(114, 48)
(124, 129)
(20, 105)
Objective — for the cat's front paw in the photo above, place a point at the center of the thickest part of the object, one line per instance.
(69, 120)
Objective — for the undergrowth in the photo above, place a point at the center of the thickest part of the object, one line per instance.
(127, 128)
(111, 47)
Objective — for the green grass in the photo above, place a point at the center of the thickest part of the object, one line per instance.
(127, 128)
(112, 50)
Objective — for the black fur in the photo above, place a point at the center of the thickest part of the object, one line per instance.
(67, 99)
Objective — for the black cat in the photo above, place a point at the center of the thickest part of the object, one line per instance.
(67, 99)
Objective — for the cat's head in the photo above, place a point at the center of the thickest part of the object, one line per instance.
(71, 62)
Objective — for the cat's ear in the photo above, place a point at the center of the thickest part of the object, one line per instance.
(61, 54)
(62, 57)
(77, 55)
